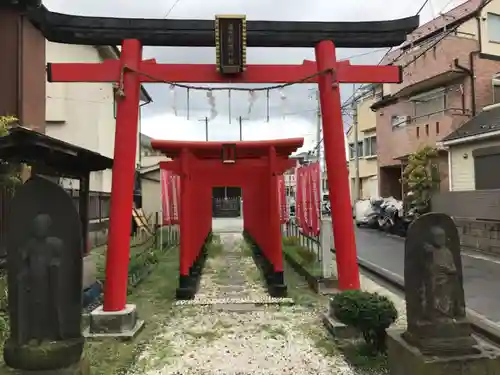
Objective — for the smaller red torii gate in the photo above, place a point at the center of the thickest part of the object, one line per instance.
(252, 165)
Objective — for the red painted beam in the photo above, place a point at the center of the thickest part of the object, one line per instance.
(109, 71)
(347, 73)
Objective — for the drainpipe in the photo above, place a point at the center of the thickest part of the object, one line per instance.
(470, 73)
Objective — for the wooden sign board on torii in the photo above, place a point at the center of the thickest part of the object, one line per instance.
(230, 35)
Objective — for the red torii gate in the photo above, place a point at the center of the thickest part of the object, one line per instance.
(252, 165)
(130, 71)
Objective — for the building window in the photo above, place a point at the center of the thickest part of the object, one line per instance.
(360, 149)
(399, 121)
(418, 131)
(370, 146)
(427, 129)
(496, 88)
(493, 25)
(437, 127)
(429, 103)
(353, 150)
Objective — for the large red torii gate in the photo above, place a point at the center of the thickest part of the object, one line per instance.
(130, 71)
(252, 165)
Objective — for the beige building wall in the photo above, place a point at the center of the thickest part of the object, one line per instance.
(461, 164)
(82, 114)
(489, 43)
(368, 165)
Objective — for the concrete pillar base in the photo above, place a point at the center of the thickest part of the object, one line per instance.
(124, 324)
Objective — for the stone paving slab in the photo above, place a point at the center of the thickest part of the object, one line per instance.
(232, 301)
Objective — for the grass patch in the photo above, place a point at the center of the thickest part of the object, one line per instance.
(253, 274)
(221, 275)
(215, 248)
(363, 358)
(154, 298)
(299, 290)
(303, 256)
(246, 249)
(208, 335)
(272, 331)
(4, 314)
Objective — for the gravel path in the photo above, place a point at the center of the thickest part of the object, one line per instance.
(235, 336)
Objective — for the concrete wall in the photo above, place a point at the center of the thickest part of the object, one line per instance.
(479, 235)
(151, 192)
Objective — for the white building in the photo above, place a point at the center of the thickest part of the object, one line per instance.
(84, 114)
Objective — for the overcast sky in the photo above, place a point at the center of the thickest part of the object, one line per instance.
(293, 110)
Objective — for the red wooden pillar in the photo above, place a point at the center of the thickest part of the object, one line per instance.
(122, 185)
(185, 216)
(274, 239)
(338, 175)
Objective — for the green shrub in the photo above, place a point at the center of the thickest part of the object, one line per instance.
(291, 241)
(140, 265)
(370, 313)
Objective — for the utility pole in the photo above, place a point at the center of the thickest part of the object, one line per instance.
(241, 128)
(318, 125)
(356, 193)
(318, 145)
(205, 120)
(206, 129)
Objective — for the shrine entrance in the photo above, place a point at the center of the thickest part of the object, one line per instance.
(230, 35)
(255, 166)
(226, 201)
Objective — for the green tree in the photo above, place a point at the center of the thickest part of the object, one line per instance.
(10, 173)
(421, 177)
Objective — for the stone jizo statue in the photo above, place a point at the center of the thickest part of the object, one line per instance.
(39, 282)
(435, 301)
(45, 260)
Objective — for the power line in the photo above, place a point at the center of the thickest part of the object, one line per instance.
(171, 8)
(444, 34)
(363, 54)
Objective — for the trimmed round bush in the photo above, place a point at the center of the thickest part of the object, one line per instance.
(370, 313)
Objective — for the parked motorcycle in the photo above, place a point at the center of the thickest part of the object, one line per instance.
(326, 208)
(367, 212)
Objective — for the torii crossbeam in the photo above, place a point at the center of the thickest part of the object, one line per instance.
(130, 71)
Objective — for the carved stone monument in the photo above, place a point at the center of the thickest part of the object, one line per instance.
(44, 252)
(439, 336)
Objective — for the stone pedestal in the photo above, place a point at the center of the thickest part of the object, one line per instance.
(81, 368)
(46, 356)
(124, 324)
(405, 359)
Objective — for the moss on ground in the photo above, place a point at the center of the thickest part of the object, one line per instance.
(302, 255)
(215, 248)
(154, 298)
(356, 353)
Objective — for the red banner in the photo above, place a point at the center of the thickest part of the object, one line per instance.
(283, 204)
(307, 202)
(300, 208)
(165, 197)
(315, 186)
(170, 197)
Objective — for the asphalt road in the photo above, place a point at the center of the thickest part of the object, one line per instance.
(481, 274)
